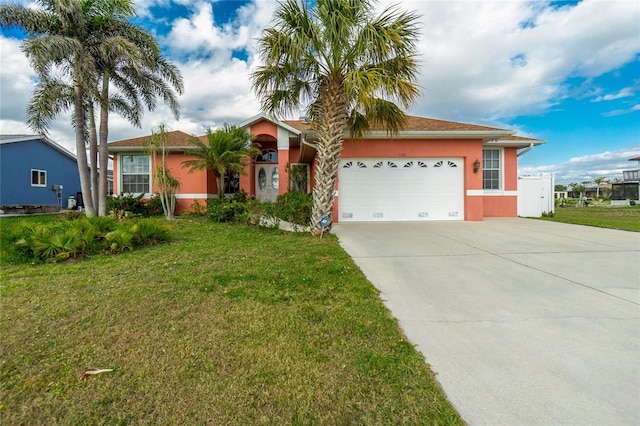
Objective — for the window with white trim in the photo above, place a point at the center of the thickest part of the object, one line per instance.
(491, 171)
(135, 174)
(38, 177)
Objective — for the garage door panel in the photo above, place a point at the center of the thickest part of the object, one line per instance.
(415, 189)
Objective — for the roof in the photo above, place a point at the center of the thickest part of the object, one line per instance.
(175, 139)
(6, 139)
(635, 158)
(414, 123)
(415, 127)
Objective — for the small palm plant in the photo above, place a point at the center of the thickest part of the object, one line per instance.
(224, 152)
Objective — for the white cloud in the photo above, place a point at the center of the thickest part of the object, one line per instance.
(502, 59)
(616, 112)
(587, 167)
(624, 93)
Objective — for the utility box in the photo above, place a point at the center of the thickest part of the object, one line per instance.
(71, 202)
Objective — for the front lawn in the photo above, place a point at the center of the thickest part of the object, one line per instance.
(625, 218)
(227, 324)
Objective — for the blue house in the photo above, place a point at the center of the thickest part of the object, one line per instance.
(35, 173)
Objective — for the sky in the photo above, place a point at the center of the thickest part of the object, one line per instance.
(567, 72)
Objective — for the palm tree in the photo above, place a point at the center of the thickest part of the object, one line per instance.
(91, 44)
(129, 59)
(345, 66)
(56, 35)
(223, 153)
(167, 183)
(599, 181)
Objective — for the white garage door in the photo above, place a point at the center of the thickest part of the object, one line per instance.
(401, 189)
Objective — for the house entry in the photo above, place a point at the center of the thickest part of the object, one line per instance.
(267, 182)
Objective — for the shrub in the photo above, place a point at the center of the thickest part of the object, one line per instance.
(294, 207)
(153, 207)
(238, 208)
(70, 239)
(228, 210)
(125, 205)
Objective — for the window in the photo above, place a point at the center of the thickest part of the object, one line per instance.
(136, 174)
(491, 169)
(268, 156)
(38, 177)
(299, 177)
(231, 183)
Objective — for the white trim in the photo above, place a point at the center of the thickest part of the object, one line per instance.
(196, 196)
(283, 139)
(490, 193)
(120, 192)
(38, 185)
(501, 167)
(262, 116)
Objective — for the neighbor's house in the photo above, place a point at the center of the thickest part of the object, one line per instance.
(36, 174)
(629, 189)
(431, 170)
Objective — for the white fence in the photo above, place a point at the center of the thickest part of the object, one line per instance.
(535, 195)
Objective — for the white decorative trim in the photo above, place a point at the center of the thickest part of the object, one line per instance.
(490, 193)
(196, 196)
(283, 139)
(40, 172)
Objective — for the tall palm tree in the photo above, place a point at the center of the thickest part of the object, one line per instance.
(346, 67)
(91, 44)
(56, 34)
(223, 153)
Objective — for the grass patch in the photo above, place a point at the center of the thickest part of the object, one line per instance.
(624, 218)
(227, 324)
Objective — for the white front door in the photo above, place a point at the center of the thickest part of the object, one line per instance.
(267, 182)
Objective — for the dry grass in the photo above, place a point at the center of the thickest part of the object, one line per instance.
(225, 325)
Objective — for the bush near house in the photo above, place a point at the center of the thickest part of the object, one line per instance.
(293, 206)
(129, 205)
(77, 236)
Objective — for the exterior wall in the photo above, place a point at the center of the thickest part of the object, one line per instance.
(504, 204)
(500, 206)
(248, 180)
(196, 186)
(469, 150)
(264, 128)
(283, 173)
(16, 161)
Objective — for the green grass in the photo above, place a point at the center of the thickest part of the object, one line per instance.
(624, 218)
(226, 324)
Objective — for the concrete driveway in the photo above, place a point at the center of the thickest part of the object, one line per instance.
(524, 322)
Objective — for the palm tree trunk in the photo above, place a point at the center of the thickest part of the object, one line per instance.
(93, 155)
(103, 151)
(331, 123)
(220, 183)
(81, 152)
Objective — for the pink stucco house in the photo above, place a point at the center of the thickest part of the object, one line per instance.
(431, 170)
